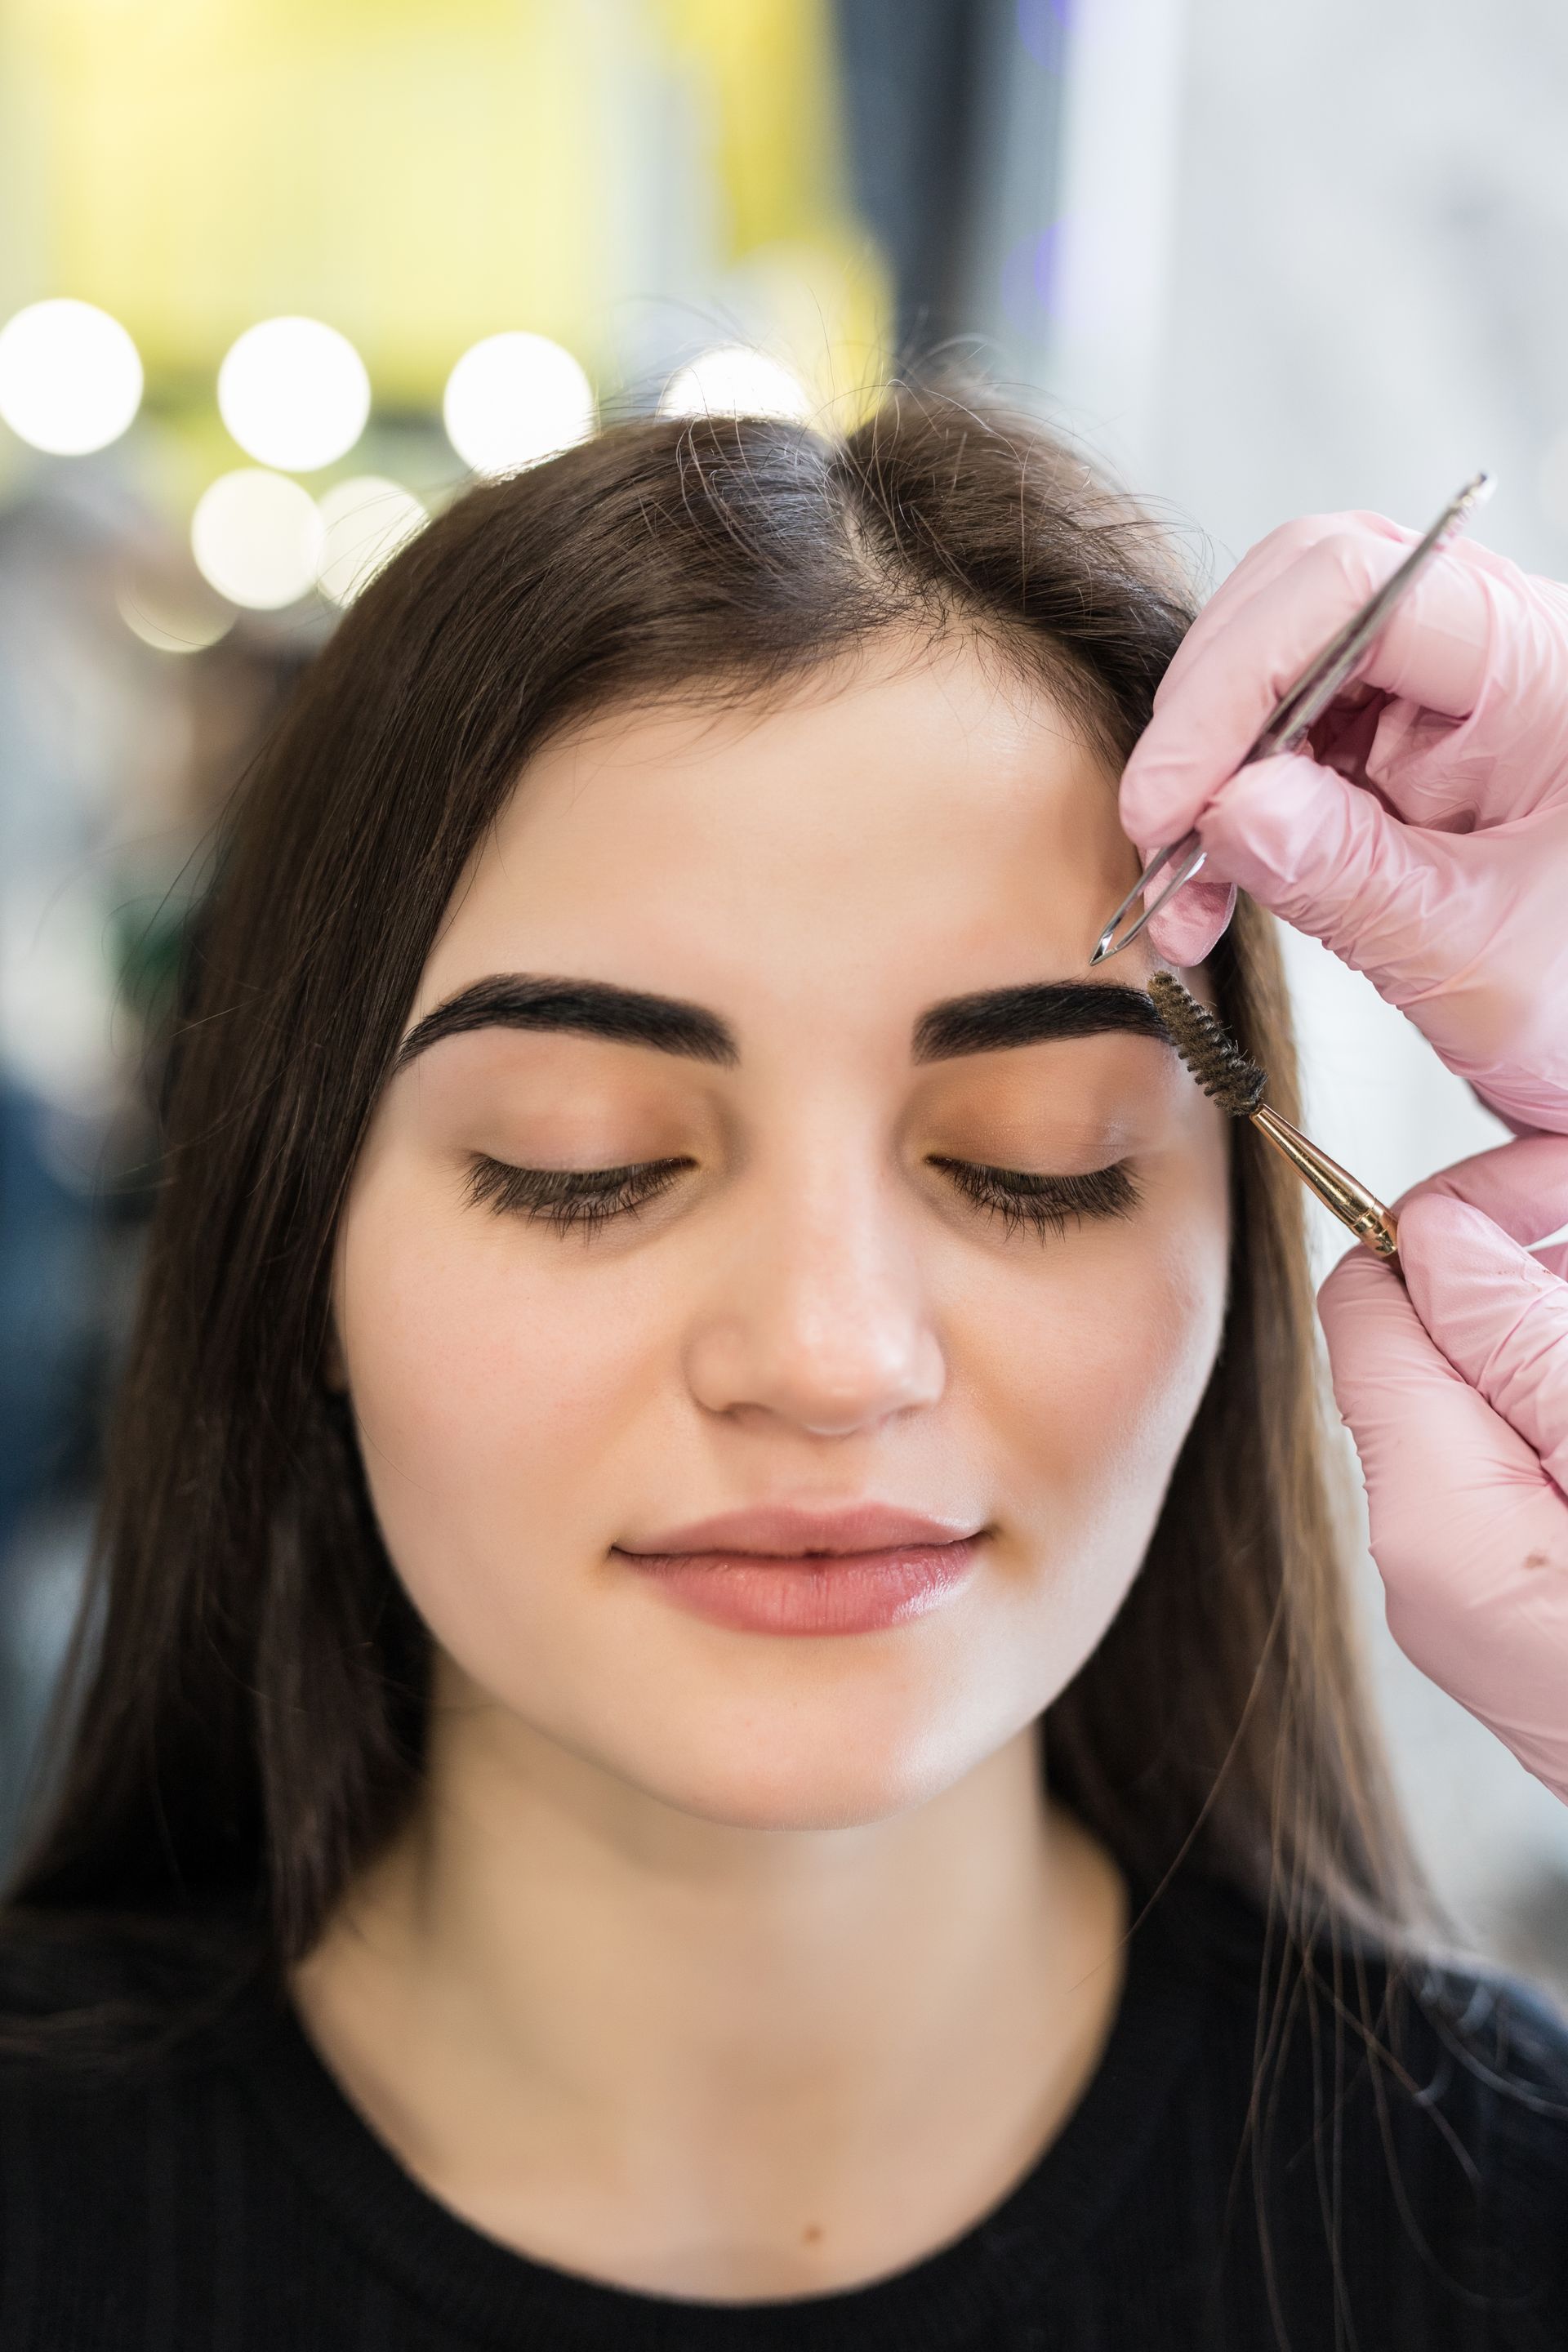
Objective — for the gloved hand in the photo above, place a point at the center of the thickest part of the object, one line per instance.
(1439, 869)
(1455, 1386)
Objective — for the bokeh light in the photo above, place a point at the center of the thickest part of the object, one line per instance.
(514, 399)
(294, 393)
(173, 624)
(70, 379)
(366, 521)
(257, 538)
(734, 380)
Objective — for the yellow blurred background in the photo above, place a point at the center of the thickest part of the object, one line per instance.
(424, 174)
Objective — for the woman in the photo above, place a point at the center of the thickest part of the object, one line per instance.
(719, 1711)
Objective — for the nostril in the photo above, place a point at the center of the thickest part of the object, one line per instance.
(796, 1391)
(820, 1339)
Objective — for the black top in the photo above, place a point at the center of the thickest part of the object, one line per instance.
(227, 2196)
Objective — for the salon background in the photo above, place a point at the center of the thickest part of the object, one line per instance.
(1266, 259)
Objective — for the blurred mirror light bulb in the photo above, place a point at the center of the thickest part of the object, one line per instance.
(256, 538)
(294, 393)
(736, 380)
(514, 399)
(366, 521)
(70, 379)
(163, 598)
(173, 624)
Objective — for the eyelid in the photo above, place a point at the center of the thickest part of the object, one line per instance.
(589, 1197)
(1047, 1201)
(568, 1197)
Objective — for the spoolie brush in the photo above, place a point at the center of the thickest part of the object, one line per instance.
(1223, 1071)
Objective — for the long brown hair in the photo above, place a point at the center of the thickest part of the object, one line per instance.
(247, 1722)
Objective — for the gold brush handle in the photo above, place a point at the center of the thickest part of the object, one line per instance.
(1353, 1205)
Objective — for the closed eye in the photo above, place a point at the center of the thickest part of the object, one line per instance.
(568, 1197)
(1048, 1203)
(588, 1198)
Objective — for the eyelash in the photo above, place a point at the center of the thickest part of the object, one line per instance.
(588, 1198)
(567, 1197)
(1049, 1203)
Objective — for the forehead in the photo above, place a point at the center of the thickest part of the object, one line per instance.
(920, 820)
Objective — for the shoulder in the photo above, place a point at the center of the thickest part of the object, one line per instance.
(1430, 2094)
(1502, 2020)
(1444, 2023)
(124, 2122)
(113, 1998)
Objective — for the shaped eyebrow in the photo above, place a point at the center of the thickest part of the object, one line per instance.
(1031, 1013)
(987, 1022)
(590, 1008)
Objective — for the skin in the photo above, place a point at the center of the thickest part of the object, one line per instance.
(713, 1963)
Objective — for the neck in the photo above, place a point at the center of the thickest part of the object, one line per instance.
(590, 2020)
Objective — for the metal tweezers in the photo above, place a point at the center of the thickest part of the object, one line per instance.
(1302, 705)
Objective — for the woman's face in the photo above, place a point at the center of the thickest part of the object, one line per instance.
(966, 1265)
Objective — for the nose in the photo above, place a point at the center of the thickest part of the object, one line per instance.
(818, 1316)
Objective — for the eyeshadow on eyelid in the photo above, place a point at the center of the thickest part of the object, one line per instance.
(1104, 1108)
(538, 1074)
(1107, 1131)
(568, 1145)
(551, 1119)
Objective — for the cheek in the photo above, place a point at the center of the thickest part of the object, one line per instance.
(486, 1385)
(1092, 1373)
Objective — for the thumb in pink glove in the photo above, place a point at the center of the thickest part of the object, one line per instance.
(1455, 1391)
(1426, 840)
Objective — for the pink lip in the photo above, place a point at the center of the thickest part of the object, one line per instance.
(782, 1569)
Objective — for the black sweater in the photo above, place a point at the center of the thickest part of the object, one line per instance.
(225, 2196)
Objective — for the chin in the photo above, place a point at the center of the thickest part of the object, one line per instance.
(805, 1800)
(787, 1778)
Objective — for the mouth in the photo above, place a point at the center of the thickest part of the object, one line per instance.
(783, 1569)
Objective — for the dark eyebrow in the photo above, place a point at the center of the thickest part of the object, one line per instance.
(986, 1023)
(591, 1008)
(1034, 1010)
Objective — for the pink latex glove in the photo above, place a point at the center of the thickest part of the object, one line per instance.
(1440, 868)
(1454, 1385)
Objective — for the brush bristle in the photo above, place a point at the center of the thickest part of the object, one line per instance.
(1207, 1048)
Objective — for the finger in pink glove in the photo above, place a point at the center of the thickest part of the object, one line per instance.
(1428, 843)
(1454, 1387)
